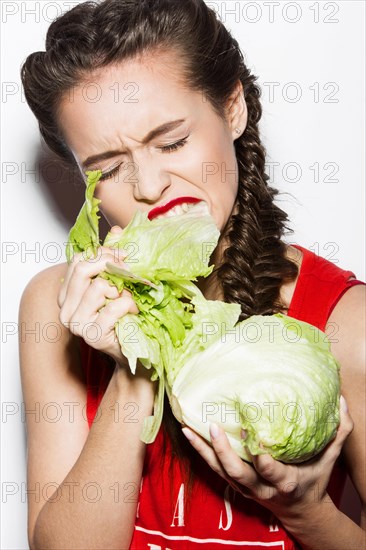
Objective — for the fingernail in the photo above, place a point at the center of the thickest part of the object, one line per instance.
(343, 404)
(214, 431)
(243, 434)
(188, 433)
(116, 229)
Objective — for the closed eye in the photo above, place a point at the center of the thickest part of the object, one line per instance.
(174, 146)
(111, 173)
(165, 148)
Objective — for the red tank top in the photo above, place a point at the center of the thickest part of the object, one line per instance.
(216, 517)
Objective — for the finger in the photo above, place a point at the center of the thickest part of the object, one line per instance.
(114, 310)
(100, 333)
(272, 470)
(65, 282)
(206, 452)
(209, 455)
(76, 259)
(116, 229)
(93, 300)
(346, 423)
(73, 291)
(94, 262)
(333, 449)
(233, 465)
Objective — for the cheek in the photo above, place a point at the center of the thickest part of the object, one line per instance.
(220, 172)
(115, 203)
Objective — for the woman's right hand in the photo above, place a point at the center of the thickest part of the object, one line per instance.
(82, 296)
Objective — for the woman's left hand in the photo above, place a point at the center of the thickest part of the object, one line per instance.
(287, 490)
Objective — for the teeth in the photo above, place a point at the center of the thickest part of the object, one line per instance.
(177, 210)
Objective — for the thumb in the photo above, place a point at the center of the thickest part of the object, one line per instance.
(116, 229)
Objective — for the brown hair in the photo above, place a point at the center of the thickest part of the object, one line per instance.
(93, 35)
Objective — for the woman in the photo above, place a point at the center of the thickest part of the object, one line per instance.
(174, 98)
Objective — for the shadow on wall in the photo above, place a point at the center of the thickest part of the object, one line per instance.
(64, 189)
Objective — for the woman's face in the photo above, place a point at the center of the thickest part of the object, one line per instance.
(110, 124)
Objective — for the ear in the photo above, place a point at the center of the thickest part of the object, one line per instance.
(236, 111)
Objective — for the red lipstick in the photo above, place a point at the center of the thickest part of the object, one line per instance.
(165, 207)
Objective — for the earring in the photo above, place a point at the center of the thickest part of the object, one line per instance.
(237, 130)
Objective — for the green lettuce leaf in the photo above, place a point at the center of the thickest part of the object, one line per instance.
(168, 249)
(84, 235)
(164, 257)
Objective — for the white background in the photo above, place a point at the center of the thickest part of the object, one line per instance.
(310, 54)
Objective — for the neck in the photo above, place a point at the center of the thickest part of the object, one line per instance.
(210, 286)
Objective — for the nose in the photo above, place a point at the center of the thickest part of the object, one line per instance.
(150, 180)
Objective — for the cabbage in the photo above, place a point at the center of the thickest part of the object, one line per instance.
(272, 376)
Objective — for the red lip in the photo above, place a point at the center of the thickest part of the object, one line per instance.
(165, 207)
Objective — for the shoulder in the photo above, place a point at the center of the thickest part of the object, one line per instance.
(347, 324)
(53, 275)
(39, 311)
(42, 290)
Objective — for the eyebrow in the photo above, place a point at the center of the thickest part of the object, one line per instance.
(162, 129)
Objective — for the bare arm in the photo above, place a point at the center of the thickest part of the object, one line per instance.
(349, 317)
(307, 511)
(323, 525)
(347, 323)
(97, 472)
(105, 480)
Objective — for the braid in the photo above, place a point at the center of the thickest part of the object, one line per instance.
(254, 265)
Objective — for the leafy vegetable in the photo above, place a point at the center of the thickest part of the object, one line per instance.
(271, 375)
(164, 258)
(84, 236)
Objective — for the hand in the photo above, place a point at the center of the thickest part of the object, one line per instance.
(82, 300)
(288, 490)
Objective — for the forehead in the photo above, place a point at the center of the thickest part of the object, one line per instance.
(159, 71)
(131, 97)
